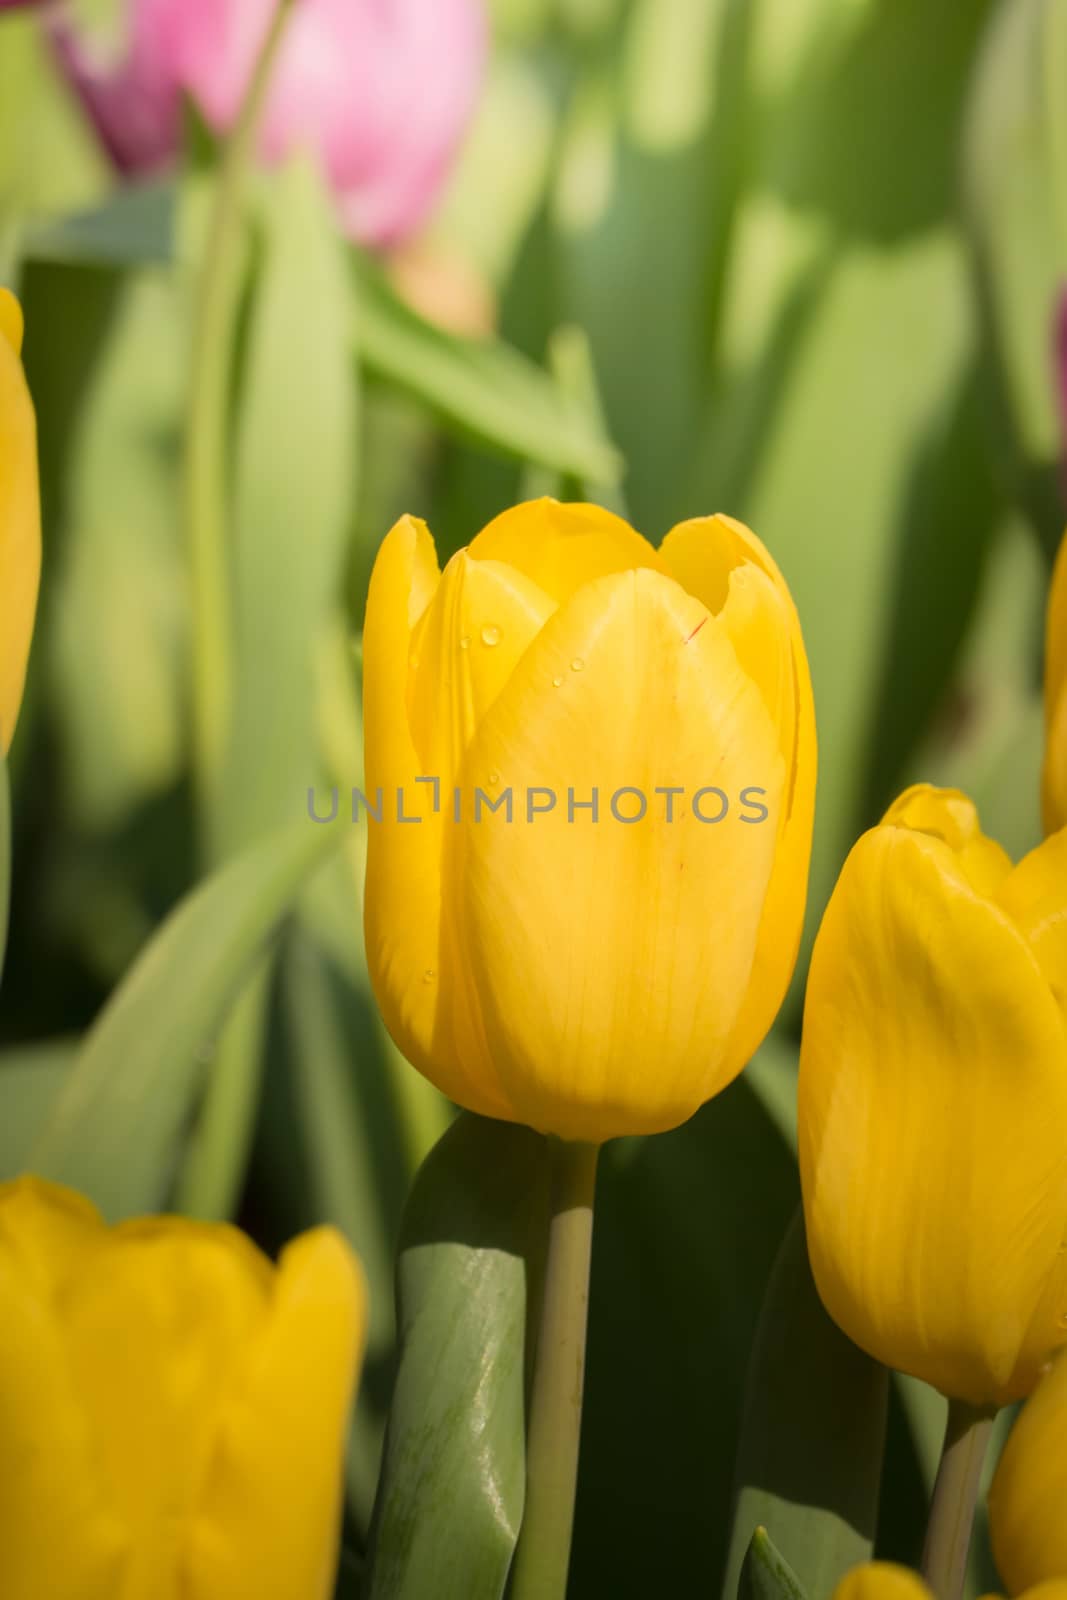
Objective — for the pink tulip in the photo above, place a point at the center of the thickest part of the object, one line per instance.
(380, 90)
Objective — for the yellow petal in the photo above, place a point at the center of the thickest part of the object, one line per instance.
(611, 959)
(59, 1536)
(409, 955)
(949, 815)
(20, 520)
(559, 547)
(882, 1580)
(1029, 1489)
(270, 1504)
(1035, 897)
(725, 565)
(932, 1101)
(157, 1326)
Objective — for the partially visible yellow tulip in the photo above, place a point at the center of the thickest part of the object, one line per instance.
(173, 1408)
(20, 518)
(589, 975)
(933, 1101)
(1029, 1490)
(884, 1580)
(1054, 789)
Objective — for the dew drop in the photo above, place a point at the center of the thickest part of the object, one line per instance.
(465, 642)
(556, 682)
(491, 635)
(429, 975)
(494, 777)
(577, 665)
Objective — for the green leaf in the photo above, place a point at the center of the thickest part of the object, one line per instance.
(480, 386)
(31, 1079)
(451, 1493)
(766, 1574)
(118, 1126)
(1016, 208)
(810, 1462)
(133, 227)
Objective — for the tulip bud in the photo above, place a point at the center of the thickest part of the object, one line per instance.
(610, 754)
(380, 90)
(933, 1099)
(175, 1408)
(884, 1580)
(20, 518)
(1029, 1489)
(1055, 774)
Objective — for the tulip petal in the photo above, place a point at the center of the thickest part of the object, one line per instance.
(58, 1536)
(932, 1100)
(1026, 1498)
(269, 1520)
(403, 906)
(157, 1329)
(560, 547)
(719, 560)
(1035, 896)
(464, 649)
(611, 959)
(882, 1580)
(20, 521)
(949, 815)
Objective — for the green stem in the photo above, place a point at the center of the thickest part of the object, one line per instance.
(543, 1554)
(948, 1532)
(208, 399)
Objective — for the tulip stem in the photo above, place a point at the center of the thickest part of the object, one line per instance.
(555, 1416)
(207, 450)
(948, 1532)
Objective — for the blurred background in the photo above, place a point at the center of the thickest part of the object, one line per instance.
(796, 260)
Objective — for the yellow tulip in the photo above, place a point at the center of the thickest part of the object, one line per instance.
(20, 518)
(587, 975)
(173, 1408)
(884, 1580)
(933, 1101)
(1029, 1490)
(1055, 776)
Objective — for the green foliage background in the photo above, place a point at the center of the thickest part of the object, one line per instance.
(790, 259)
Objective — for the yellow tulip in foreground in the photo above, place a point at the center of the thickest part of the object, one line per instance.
(1029, 1491)
(933, 1101)
(1055, 777)
(604, 950)
(884, 1580)
(20, 521)
(173, 1409)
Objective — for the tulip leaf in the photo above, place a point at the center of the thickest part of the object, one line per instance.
(451, 1493)
(134, 227)
(810, 1462)
(1016, 208)
(481, 387)
(118, 1125)
(766, 1574)
(31, 1080)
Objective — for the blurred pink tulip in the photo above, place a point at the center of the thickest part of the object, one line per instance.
(380, 90)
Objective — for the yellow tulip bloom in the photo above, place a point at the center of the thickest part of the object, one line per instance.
(884, 1580)
(20, 518)
(1029, 1490)
(1055, 775)
(604, 951)
(933, 1101)
(173, 1408)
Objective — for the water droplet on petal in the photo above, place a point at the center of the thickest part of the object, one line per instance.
(429, 975)
(494, 777)
(491, 635)
(577, 665)
(465, 642)
(556, 682)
